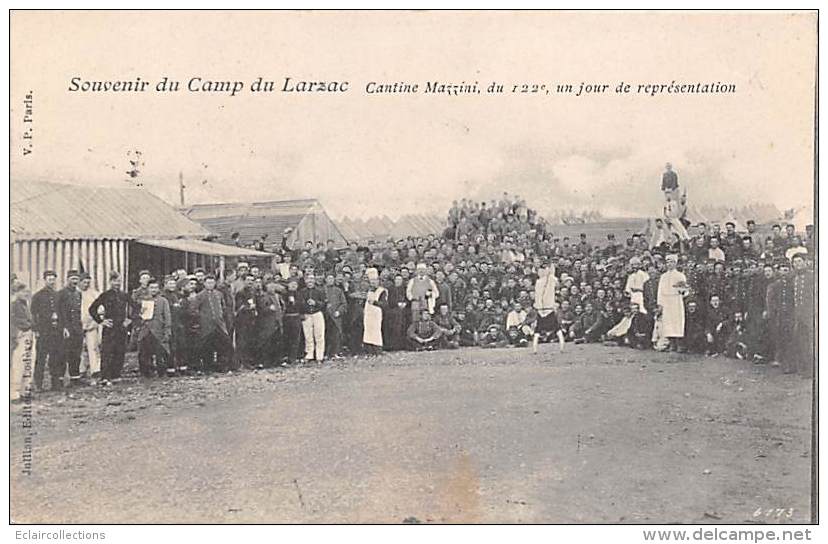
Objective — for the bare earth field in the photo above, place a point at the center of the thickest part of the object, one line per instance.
(595, 434)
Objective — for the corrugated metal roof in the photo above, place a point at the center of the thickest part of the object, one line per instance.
(205, 248)
(54, 211)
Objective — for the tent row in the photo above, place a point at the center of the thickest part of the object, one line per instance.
(382, 227)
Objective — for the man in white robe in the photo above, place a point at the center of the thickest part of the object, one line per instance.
(375, 300)
(635, 284)
(546, 306)
(672, 287)
(674, 210)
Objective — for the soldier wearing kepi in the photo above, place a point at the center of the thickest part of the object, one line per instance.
(177, 356)
(111, 310)
(214, 339)
(778, 305)
(191, 357)
(269, 324)
(47, 334)
(803, 316)
(91, 330)
(155, 332)
(69, 320)
(313, 320)
(245, 321)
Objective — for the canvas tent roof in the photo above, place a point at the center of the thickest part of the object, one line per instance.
(800, 218)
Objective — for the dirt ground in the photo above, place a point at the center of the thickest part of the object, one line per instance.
(596, 434)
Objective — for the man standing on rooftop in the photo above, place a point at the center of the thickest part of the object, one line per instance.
(669, 180)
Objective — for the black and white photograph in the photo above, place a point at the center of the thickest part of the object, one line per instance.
(414, 267)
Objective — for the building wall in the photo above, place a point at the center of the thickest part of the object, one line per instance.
(30, 258)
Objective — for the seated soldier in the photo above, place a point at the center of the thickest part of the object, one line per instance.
(584, 322)
(640, 333)
(515, 321)
(715, 326)
(425, 333)
(736, 344)
(468, 326)
(695, 338)
(494, 337)
(449, 328)
(566, 317)
(617, 335)
(602, 323)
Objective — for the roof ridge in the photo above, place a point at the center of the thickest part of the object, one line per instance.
(263, 203)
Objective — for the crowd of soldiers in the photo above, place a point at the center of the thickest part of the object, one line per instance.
(498, 276)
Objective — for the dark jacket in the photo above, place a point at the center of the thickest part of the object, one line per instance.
(313, 300)
(69, 310)
(271, 310)
(21, 318)
(116, 306)
(44, 311)
(160, 324)
(209, 306)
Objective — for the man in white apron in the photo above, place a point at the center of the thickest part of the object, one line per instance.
(375, 300)
(672, 287)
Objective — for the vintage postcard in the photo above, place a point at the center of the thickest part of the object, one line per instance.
(403, 267)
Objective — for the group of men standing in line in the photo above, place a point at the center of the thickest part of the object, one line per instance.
(483, 287)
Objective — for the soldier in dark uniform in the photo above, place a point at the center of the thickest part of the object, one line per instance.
(142, 291)
(737, 344)
(245, 321)
(200, 276)
(695, 340)
(155, 333)
(115, 321)
(803, 316)
(669, 180)
(136, 296)
(640, 333)
(395, 316)
(69, 322)
(48, 335)
(214, 340)
(191, 326)
(757, 315)
(225, 287)
(715, 326)
(294, 302)
(334, 316)
(269, 323)
(356, 312)
(778, 304)
(177, 360)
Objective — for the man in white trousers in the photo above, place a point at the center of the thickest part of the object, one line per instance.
(313, 319)
(91, 364)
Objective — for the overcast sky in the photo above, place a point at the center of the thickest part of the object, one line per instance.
(366, 155)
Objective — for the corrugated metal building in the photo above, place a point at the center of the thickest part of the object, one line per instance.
(100, 229)
(307, 218)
